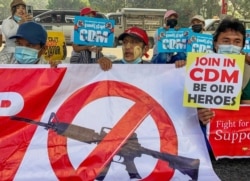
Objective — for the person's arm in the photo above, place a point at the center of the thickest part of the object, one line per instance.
(180, 59)
(247, 58)
(105, 63)
(1, 39)
(25, 18)
(155, 48)
(79, 48)
(205, 115)
(245, 102)
(180, 63)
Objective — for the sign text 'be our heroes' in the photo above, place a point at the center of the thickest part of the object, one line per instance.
(213, 80)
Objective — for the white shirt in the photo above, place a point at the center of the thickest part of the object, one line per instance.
(9, 28)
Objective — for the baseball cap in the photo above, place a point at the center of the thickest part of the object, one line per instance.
(138, 33)
(169, 13)
(135, 32)
(198, 17)
(85, 11)
(33, 32)
(17, 2)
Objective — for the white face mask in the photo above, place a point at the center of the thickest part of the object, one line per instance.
(229, 49)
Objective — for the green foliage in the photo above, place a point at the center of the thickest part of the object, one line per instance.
(185, 8)
(67, 4)
(240, 8)
(5, 9)
(37, 4)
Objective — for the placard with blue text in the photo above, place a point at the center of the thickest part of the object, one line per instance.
(172, 40)
(93, 31)
(198, 42)
(246, 48)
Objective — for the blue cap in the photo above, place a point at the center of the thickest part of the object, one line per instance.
(33, 32)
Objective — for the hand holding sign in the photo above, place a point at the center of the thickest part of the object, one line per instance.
(213, 80)
(172, 40)
(93, 31)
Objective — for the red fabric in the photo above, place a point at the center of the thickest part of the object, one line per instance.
(86, 11)
(229, 133)
(36, 87)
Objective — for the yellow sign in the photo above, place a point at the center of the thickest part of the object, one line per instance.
(56, 46)
(213, 80)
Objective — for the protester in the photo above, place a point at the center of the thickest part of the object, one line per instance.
(229, 38)
(197, 23)
(178, 58)
(135, 45)
(10, 26)
(30, 42)
(82, 53)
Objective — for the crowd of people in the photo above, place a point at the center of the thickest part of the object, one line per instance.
(26, 43)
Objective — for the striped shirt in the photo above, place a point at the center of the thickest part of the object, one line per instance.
(84, 57)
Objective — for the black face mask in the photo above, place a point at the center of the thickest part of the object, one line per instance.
(197, 28)
(171, 23)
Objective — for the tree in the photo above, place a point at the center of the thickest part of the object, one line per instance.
(185, 8)
(67, 4)
(37, 4)
(241, 7)
(107, 6)
(5, 9)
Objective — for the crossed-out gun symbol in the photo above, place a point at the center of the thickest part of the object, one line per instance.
(129, 151)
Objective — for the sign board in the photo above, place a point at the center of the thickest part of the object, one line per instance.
(93, 31)
(56, 46)
(213, 80)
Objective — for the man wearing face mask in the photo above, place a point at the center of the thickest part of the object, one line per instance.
(178, 58)
(229, 38)
(9, 28)
(197, 23)
(30, 42)
(134, 47)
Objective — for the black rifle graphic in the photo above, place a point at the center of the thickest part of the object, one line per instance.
(129, 151)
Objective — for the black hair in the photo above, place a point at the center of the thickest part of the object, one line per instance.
(13, 9)
(230, 23)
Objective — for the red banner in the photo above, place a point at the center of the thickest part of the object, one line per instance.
(229, 133)
(27, 96)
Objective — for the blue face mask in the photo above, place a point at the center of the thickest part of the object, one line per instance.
(25, 55)
(229, 49)
(17, 18)
(136, 61)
